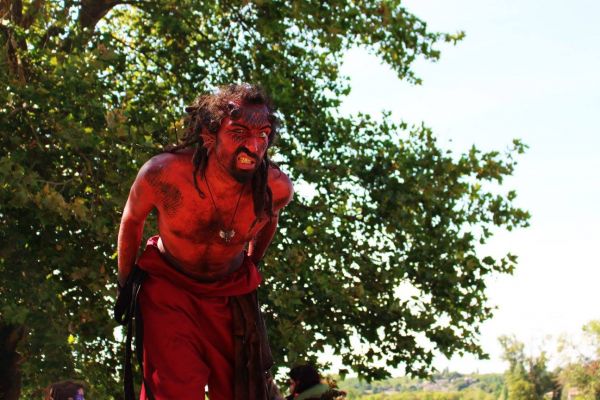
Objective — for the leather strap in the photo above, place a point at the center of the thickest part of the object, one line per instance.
(125, 312)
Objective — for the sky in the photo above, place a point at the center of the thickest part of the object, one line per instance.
(527, 69)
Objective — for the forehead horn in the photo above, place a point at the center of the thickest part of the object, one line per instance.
(234, 110)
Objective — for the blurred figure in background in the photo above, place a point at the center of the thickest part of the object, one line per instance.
(65, 390)
(306, 384)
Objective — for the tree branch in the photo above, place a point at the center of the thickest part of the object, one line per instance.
(92, 11)
(32, 12)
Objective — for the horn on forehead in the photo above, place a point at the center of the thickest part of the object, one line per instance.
(234, 110)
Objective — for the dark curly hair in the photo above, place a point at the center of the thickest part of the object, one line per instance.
(306, 377)
(207, 112)
(63, 390)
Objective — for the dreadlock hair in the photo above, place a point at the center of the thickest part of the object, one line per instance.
(207, 112)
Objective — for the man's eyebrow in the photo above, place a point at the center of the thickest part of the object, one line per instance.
(237, 124)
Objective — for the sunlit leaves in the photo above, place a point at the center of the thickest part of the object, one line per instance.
(377, 257)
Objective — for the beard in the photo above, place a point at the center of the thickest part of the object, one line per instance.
(241, 176)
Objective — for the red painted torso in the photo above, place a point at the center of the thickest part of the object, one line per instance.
(189, 225)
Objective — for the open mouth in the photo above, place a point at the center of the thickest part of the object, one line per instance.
(245, 161)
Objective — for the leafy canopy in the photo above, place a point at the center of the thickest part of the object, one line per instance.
(377, 260)
(582, 370)
(527, 377)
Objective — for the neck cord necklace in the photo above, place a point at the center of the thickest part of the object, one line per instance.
(228, 234)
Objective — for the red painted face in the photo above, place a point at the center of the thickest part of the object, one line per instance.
(242, 140)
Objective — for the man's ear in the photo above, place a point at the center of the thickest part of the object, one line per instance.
(209, 139)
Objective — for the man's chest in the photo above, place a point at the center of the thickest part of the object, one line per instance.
(203, 221)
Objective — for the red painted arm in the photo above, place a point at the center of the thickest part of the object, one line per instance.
(138, 206)
(283, 191)
(258, 247)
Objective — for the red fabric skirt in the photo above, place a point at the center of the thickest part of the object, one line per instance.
(188, 338)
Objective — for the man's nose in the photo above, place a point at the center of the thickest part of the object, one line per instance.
(253, 145)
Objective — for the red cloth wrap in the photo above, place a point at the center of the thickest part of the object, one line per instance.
(188, 335)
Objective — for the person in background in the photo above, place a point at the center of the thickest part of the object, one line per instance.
(65, 390)
(306, 384)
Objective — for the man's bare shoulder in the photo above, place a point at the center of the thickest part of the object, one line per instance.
(165, 164)
(281, 187)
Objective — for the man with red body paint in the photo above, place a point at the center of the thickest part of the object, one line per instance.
(218, 198)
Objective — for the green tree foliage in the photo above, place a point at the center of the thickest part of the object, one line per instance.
(583, 373)
(440, 386)
(414, 396)
(430, 395)
(527, 377)
(91, 89)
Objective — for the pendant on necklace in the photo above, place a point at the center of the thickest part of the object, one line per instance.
(227, 235)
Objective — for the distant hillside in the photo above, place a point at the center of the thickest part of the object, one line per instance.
(444, 386)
